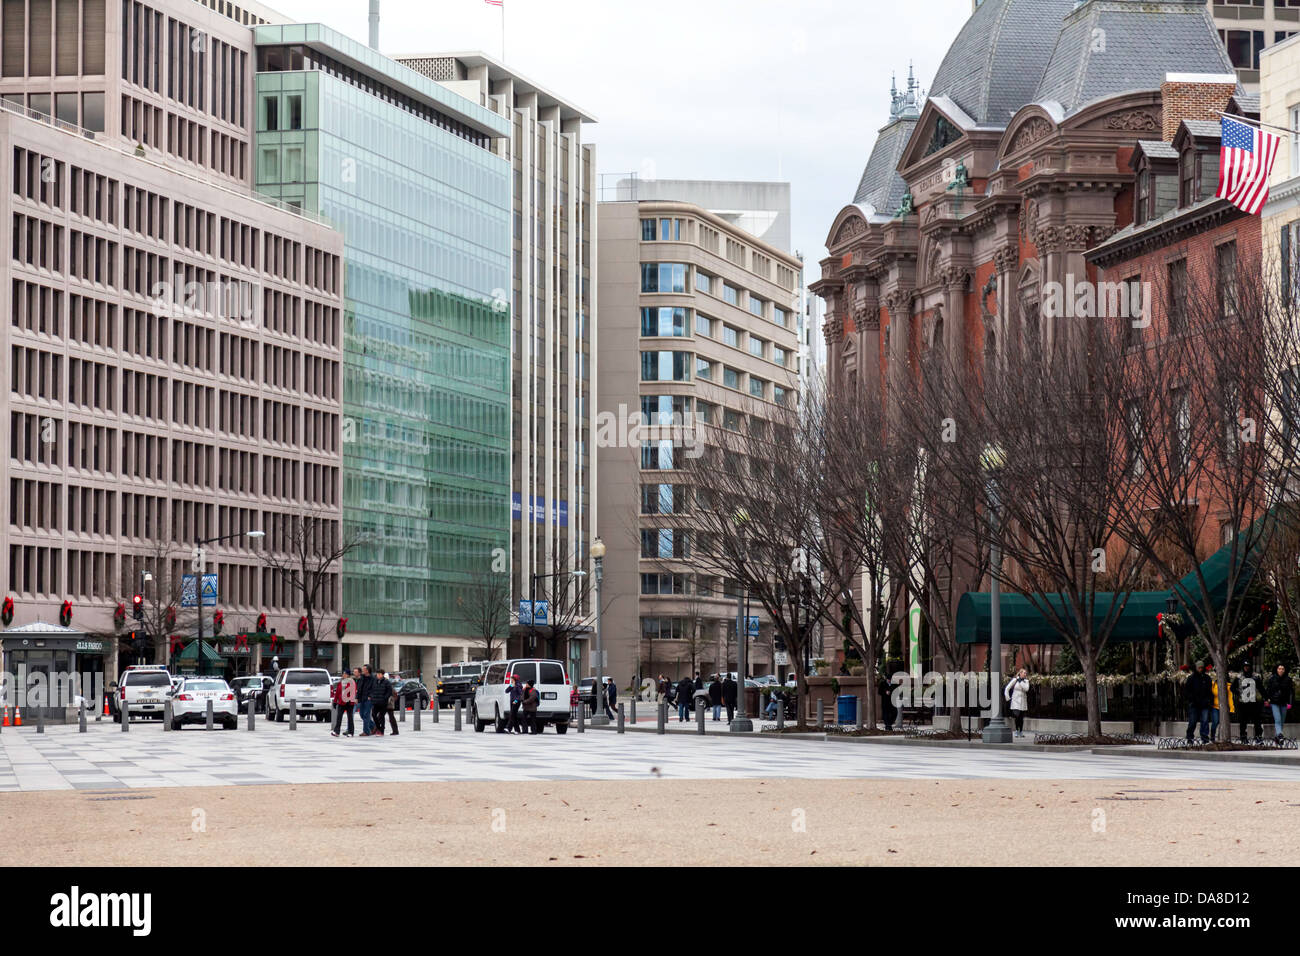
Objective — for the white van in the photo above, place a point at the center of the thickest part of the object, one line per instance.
(492, 697)
(309, 686)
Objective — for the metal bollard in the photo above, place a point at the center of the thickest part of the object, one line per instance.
(252, 713)
(858, 702)
(457, 725)
(415, 716)
(293, 715)
(662, 718)
(820, 717)
(582, 717)
(125, 715)
(40, 718)
(699, 716)
(632, 716)
(81, 717)
(780, 716)
(207, 721)
(402, 705)
(620, 716)
(167, 716)
(435, 707)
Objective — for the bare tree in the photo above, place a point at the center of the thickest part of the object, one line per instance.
(162, 615)
(485, 606)
(305, 550)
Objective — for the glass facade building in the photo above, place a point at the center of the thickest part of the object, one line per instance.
(404, 169)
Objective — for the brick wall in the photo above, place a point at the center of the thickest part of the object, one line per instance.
(1192, 101)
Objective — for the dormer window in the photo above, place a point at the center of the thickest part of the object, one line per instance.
(1198, 174)
(1187, 178)
(1143, 211)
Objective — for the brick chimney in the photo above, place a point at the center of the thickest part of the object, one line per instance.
(1194, 96)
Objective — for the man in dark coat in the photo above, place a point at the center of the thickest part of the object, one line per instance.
(611, 698)
(685, 690)
(380, 693)
(1200, 700)
(729, 697)
(365, 684)
(516, 725)
(715, 697)
(532, 700)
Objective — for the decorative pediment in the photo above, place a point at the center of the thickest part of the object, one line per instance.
(942, 124)
(849, 225)
(1031, 125)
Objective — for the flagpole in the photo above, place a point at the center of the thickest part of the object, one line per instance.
(1246, 120)
(503, 31)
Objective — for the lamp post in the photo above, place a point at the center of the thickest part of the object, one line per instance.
(741, 724)
(200, 568)
(997, 732)
(598, 717)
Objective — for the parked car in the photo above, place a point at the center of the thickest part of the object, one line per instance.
(252, 687)
(190, 704)
(458, 682)
(143, 690)
(410, 691)
(309, 686)
(492, 696)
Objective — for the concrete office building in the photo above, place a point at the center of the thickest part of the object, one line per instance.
(1248, 27)
(174, 340)
(553, 507)
(698, 319)
(409, 171)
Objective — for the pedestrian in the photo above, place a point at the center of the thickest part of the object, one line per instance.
(729, 697)
(531, 700)
(699, 684)
(715, 697)
(365, 685)
(1199, 698)
(685, 689)
(888, 712)
(773, 702)
(346, 691)
(661, 689)
(1215, 715)
(611, 698)
(380, 693)
(516, 725)
(1248, 692)
(1017, 695)
(1281, 694)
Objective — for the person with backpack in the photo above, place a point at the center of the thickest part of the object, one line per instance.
(611, 698)
(715, 697)
(344, 695)
(381, 695)
(685, 691)
(730, 692)
(516, 725)
(366, 684)
(1016, 694)
(1281, 695)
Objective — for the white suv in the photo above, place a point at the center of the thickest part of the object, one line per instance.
(190, 703)
(309, 686)
(492, 697)
(143, 690)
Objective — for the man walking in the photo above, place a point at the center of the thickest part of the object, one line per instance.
(1281, 694)
(611, 698)
(346, 691)
(366, 684)
(729, 697)
(715, 697)
(1248, 701)
(685, 689)
(380, 693)
(1200, 696)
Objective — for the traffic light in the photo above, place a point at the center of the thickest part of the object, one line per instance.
(137, 607)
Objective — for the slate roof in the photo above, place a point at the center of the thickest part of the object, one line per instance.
(1113, 46)
(881, 187)
(993, 67)
(1204, 129)
(1157, 149)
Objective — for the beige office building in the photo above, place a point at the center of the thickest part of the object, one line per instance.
(698, 320)
(174, 341)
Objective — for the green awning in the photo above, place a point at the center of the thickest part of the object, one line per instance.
(1023, 623)
(210, 654)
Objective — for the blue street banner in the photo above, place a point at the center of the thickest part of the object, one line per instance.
(536, 615)
(190, 599)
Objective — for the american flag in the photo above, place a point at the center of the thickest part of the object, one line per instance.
(495, 3)
(1245, 162)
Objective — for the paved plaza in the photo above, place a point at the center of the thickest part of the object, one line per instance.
(105, 758)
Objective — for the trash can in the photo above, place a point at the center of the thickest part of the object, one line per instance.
(846, 709)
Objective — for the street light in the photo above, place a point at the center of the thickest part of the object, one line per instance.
(997, 732)
(598, 718)
(741, 724)
(200, 568)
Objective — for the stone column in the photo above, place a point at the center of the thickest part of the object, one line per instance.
(899, 304)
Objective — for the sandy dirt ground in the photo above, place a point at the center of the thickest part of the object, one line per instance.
(660, 822)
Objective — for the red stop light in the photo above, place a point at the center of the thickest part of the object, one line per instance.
(137, 606)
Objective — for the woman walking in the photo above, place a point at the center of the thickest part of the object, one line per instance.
(1017, 694)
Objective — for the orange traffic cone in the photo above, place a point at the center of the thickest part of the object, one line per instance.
(107, 712)
(5, 711)
(18, 717)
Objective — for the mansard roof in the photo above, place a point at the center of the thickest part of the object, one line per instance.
(881, 189)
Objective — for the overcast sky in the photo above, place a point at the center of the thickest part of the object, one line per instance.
(698, 89)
